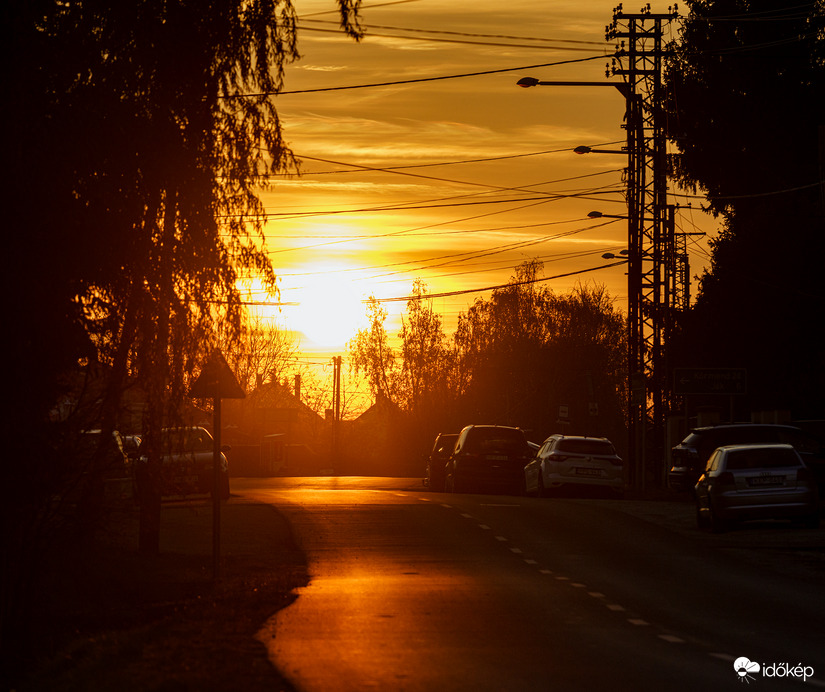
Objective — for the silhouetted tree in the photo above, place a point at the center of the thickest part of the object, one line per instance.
(373, 356)
(263, 352)
(526, 351)
(745, 109)
(427, 370)
(140, 133)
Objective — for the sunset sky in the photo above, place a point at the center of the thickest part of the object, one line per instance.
(455, 181)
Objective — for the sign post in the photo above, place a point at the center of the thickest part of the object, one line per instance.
(216, 381)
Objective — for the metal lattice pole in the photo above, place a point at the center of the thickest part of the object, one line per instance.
(651, 244)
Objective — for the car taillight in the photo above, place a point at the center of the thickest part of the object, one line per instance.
(557, 457)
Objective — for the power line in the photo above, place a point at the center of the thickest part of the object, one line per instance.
(447, 163)
(411, 81)
(432, 39)
(484, 289)
(464, 33)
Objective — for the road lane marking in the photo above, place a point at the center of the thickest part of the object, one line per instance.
(672, 639)
(484, 526)
(615, 607)
(638, 622)
(515, 550)
(546, 571)
(595, 594)
(501, 538)
(723, 657)
(531, 562)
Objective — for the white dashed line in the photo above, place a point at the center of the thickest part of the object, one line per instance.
(615, 607)
(672, 639)
(723, 657)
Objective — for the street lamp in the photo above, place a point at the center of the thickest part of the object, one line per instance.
(599, 215)
(527, 82)
(609, 255)
(589, 150)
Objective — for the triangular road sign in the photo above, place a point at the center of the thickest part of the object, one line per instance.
(216, 380)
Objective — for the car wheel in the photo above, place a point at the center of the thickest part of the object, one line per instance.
(716, 524)
(702, 522)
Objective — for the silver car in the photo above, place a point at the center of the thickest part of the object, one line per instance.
(746, 482)
(569, 460)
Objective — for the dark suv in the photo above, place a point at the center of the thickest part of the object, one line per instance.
(691, 455)
(437, 460)
(488, 457)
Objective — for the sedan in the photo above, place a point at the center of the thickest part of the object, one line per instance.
(574, 461)
(746, 482)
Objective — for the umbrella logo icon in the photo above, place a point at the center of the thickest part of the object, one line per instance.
(744, 667)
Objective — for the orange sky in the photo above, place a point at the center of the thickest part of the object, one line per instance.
(342, 232)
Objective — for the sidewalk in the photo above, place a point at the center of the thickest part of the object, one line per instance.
(110, 618)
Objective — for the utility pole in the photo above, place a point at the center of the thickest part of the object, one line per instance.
(651, 246)
(336, 409)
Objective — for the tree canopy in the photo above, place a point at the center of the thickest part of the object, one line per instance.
(745, 80)
(138, 134)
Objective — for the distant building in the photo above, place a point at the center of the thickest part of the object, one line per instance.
(272, 432)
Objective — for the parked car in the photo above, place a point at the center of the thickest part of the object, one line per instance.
(108, 453)
(745, 482)
(487, 457)
(187, 454)
(574, 461)
(690, 457)
(437, 461)
(131, 445)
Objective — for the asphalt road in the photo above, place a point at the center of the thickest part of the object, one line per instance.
(413, 590)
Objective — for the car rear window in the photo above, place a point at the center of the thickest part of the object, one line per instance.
(486, 440)
(707, 441)
(586, 447)
(744, 459)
